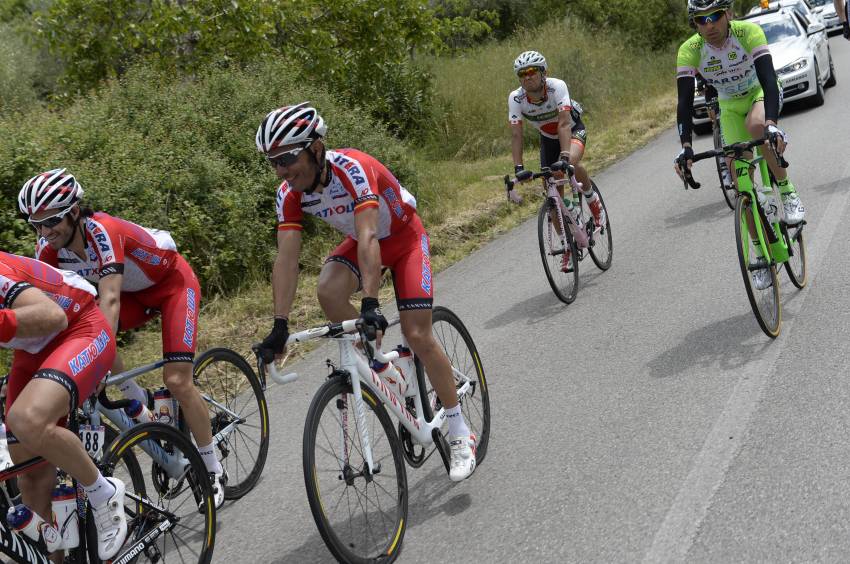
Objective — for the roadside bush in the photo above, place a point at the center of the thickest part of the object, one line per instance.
(180, 155)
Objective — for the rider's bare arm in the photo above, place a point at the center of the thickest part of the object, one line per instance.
(565, 129)
(37, 315)
(516, 143)
(368, 250)
(840, 10)
(109, 298)
(285, 271)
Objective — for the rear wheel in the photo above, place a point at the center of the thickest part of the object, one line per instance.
(361, 515)
(552, 251)
(765, 301)
(730, 191)
(831, 81)
(818, 98)
(173, 510)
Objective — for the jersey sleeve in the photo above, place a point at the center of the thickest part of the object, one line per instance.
(754, 40)
(687, 60)
(290, 217)
(108, 244)
(44, 253)
(562, 96)
(514, 108)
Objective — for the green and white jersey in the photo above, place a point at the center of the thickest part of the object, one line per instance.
(729, 68)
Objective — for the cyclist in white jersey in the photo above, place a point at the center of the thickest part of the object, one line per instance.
(842, 8)
(546, 104)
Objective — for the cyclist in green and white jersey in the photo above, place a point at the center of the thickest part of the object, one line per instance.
(733, 57)
(842, 8)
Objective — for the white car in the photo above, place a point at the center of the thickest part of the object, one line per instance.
(800, 52)
(826, 10)
(806, 8)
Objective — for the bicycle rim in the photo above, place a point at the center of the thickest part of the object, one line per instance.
(764, 303)
(564, 284)
(236, 402)
(796, 264)
(155, 499)
(602, 243)
(361, 518)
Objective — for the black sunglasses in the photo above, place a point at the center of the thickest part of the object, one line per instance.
(49, 222)
(286, 159)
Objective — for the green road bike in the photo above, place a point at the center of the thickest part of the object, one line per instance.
(763, 238)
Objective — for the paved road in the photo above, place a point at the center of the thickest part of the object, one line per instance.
(651, 419)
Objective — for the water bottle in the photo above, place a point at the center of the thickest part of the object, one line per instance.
(65, 515)
(406, 371)
(24, 520)
(164, 407)
(768, 203)
(139, 412)
(389, 374)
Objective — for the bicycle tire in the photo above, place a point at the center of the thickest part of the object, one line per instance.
(796, 265)
(322, 436)
(564, 284)
(730, 193)
(769, 317)
(601, 247)
(226, 377)
(151, 507)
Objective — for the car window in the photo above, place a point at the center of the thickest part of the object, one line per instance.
(779, 30)
(817, 3)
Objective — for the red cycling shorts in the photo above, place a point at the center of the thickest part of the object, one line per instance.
(177, 297)
(407, 254)
(77, 358)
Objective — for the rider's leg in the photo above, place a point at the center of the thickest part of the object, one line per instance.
(733, 122)
(416, 326)
(337, 283)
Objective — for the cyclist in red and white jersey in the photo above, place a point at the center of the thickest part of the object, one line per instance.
(138, 272)
(63, 347)
(842, 8)
(361, 198)
(546, 104)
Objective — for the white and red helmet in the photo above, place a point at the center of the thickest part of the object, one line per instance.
(290, 125)
(52, 190)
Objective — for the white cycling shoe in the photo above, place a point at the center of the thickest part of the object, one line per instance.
(218, 482)
(762, 279)
(462, 457)
(793, 208)
(111, 522)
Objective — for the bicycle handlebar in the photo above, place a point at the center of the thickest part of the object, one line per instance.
(735, 150)
(545, 172)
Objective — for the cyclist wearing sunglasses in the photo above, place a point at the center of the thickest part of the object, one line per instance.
(63, 346)
(546, 104)
(734, 58)
(139, 273)
(358, 196)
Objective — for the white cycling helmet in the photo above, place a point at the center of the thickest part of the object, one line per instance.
(290, 125)
(529, 59)
(51, 190)
(704, 6)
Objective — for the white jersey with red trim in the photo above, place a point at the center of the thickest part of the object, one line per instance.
(115, 246)
(358, 182)
(543, 115)
(70, 291)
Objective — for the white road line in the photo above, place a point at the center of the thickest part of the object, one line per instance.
(678, 531)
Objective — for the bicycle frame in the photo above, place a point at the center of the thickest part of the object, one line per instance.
(354, 363)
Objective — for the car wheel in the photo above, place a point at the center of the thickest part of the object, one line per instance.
(831, 82)
(817, 99)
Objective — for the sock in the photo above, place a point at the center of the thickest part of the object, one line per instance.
(100, 491)
(210, 459)
(457, 426)
(591, 197)
(785, 186)
(131, 390)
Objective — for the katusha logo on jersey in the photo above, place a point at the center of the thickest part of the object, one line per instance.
(88, 355)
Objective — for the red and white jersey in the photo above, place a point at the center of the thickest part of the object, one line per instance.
(358, 182)
(70, 291)
(543, 115)
(115, 246)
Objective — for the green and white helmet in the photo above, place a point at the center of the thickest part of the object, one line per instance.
(528, 59)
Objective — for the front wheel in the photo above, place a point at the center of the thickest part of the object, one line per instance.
(170, 512)
(730, 191)
(238, 410)
(759, 275)
(559, 255)
(361, 514)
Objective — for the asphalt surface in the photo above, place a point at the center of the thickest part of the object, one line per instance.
(651, 420)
